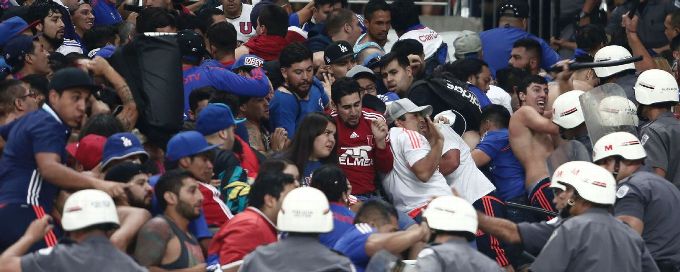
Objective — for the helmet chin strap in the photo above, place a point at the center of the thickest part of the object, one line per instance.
(617, 167)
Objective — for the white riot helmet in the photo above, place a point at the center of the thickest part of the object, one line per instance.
(609, 53)
(86, 208)
(567, 170)
(656, 86)
(451, 213)
(621, 144)
(305, 210)
(617, 111)
(593, 183)
(567, 111)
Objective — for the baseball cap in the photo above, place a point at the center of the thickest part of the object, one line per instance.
(513, 8)
(187, 143)
(337, 51)
(120, 146)
(71, 77)
(215, 117)
(359, 71)
(247, 62)
(467, 42)
(403, 106)
(88, 151)
(16, 49)
(12, 27)
(191, 44)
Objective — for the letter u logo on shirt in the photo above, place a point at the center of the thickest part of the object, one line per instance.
(246, 27)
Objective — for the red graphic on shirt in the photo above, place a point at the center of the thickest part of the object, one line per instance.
(246, 27)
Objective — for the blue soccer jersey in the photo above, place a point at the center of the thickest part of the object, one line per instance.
(285, 110)
(508, 174)
(353, 245)
(343, 219)
(40, 131)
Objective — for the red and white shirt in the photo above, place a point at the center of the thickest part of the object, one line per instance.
(358, 155)
(216, 212)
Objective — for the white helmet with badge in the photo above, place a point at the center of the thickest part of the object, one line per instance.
(566, 171)
(612, 53)
(593, 183)
(305, 210)
(567, 111)
(451, 213)
(622, 144)
(656, 86)
(87, 208)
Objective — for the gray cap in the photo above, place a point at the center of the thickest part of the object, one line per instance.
(403, 106)
(467, 42)
(359, 70)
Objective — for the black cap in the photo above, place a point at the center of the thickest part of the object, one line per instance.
(337, 51)
(513, 8)
(191, 44)
(71, 77)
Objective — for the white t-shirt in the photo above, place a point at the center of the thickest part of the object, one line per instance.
(401, 184)
(244, 28)
(499, 96)
(430, 39)
(470, 183)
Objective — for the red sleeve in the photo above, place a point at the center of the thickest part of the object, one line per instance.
(237, 243)
(384, 157)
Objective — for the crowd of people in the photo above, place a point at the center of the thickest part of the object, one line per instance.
(232, 136)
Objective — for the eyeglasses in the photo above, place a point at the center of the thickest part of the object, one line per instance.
(31, 94)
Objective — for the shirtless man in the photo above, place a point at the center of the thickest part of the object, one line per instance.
(164, 242)
(530, 140)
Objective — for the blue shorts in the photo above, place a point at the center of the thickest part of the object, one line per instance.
(18, 217)
(541, 196)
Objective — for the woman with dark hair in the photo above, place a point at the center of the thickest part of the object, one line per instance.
(313, 145)
(334, 184)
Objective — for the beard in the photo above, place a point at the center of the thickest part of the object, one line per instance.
(301, 89)
(137, 202)
(186, 210)
(54, 41)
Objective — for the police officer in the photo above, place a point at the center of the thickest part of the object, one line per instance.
(592, 239)
(304, 214)
(453, 223)
(623, 75)
(533, 236)
(643, 199)
(657, 92)
(574, 143)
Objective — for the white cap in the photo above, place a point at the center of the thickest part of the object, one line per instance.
(305, 210)
(656, 86)
(567, 111)
(403, 106)
(564, 172)
(617, 111)
(621, 144)
(451, 213)
(609, 53)
(593, 183)
(86, 208)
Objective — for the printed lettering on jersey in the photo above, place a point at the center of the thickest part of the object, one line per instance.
(245, 27)
(465, 93)
(356, 156)
(253, 61)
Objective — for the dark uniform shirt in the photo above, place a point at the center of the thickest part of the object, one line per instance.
(649, 198)
(594, 241)
(535, 235)
(296, 253)
(94, 253)
(454, 255)
(661, 139)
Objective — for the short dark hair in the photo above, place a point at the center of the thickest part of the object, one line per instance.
(199, 95)
(496, 114)
(320, 3)
(226, 98)
(464, 68)
(38, 82)
(524, 84)
(510, 78)
(103, 124)
(188, 21)
(375, 5)
(275, 19)
(531, 46)
(294, 53)
(124, 172)
(151, 18)
(268, 183)
(404, 15)
(401, 59)
(337, 21)
(205, 18)
(40, 9)
(99, 36)
(408, 47)
(331, 180)
(343, 87)
(590, 37)
(10, 90)
(171, 181)
(378, 211)
(222, 36)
